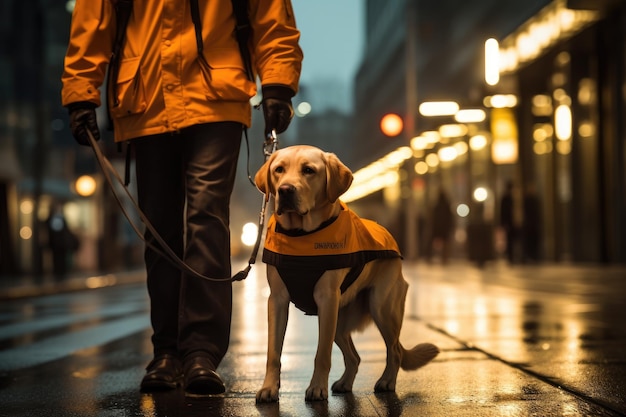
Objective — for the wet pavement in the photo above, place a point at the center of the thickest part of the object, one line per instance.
(545, 340)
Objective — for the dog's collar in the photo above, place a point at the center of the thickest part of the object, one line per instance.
(300, 232)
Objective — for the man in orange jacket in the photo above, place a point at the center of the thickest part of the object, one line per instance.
(182, 104)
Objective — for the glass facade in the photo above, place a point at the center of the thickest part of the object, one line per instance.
(562, 63)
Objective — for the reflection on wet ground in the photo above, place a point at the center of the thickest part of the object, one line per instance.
(536, 340)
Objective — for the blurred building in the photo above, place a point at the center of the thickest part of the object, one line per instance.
(40, 164)
(553, 121)
(553, 118)
(328, 95)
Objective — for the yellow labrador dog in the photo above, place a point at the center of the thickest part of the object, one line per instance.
(328, 262)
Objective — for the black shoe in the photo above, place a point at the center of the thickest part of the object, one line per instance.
(201, 378)
(163, 373)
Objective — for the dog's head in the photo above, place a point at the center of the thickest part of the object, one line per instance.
(306, 183)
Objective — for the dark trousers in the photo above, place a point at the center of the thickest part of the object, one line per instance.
(184, 182)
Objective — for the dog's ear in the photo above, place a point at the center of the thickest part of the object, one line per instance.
(262, 178)
(338, 177)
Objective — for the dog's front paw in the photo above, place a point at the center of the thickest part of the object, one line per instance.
(267, 395)
(342, 386)
(384, 385)
(316, 393)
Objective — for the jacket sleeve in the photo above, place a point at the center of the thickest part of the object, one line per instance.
(88, 51)
(275, 46)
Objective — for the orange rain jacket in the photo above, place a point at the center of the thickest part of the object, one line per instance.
(161, 85)
(346, 241)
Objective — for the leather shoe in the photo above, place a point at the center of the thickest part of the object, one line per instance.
(163, 373)
(201, 378)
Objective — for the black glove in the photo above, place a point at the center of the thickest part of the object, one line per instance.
(277, 108)
(83, 118)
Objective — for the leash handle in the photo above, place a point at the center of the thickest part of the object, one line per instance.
(271, 144)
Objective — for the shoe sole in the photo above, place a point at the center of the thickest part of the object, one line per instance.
(156, 386)
(205, 386)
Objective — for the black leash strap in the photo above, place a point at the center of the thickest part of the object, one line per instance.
(163, 249)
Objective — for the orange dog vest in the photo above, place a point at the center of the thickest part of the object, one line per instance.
(346, 241)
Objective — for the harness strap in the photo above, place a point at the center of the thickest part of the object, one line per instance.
(123, 9)
(197, 23)
(243, 30)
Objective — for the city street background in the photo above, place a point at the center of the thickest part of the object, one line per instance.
(529, 323)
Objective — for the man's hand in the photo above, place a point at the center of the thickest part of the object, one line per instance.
(277, 108)
(83, 119)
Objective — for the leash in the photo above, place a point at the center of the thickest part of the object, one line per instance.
(111, 175)
(269, 147)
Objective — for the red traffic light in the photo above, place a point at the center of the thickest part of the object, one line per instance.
(391, 124)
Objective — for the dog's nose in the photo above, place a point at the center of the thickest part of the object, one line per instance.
(286, 190)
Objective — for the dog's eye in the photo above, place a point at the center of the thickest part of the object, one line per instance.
(279, 170)
(308, 170)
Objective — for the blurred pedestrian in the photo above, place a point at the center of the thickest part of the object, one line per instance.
(507, 221)
(442, 226)
(180, 96)
(531, 225)
(479, 235)
(61, 241)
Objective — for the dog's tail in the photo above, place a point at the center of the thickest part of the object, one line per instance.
(419, 356)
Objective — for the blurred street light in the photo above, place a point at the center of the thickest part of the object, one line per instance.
(452, 130)
(391, 124)
(499, 101)
(492, 61)
(438, 108)
(470, 116)
(85, 185)
(477, 142)
(419, 143)
(481, 194)
(563, 122)
(249, 234)
(447, 154)
(303, 109)
(462, 210)
(504, 146)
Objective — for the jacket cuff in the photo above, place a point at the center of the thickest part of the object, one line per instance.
(277, 91)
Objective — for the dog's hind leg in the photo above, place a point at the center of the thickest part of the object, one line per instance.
(387, 309)
(351, 361)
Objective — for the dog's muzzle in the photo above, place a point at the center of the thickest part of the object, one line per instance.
(287, 199)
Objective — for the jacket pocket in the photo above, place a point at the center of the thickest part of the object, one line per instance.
(129, 89)
(225, 78)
